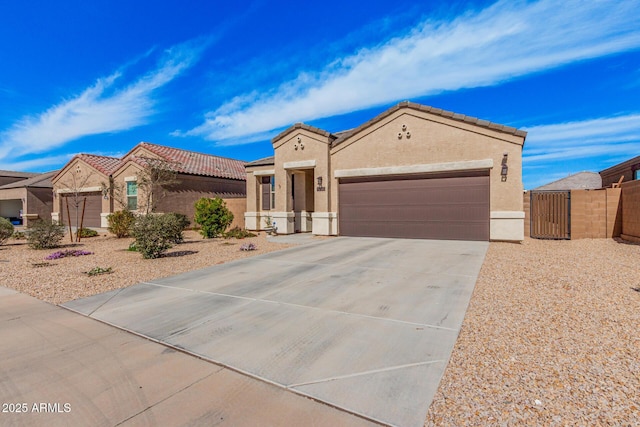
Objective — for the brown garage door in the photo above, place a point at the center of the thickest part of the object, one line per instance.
(425, 207)
(91, 211)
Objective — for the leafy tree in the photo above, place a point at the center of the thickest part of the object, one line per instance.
(153, 180)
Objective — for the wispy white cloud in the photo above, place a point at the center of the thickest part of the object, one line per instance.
(555, 151)
(606, 137)
(105, 107)
(504, 41)
(38, 164)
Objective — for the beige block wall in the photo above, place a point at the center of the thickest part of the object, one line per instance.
(595, 214)
(181, 198)
(434, 139)
(526, 206)
(238, 207)
(631, 211)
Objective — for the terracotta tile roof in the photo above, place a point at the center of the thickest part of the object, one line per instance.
(104, 164)
(194, 163)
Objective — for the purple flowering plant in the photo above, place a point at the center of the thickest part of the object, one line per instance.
(67, 253)
(248, 247)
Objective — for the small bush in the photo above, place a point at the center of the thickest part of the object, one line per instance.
(213, 216)
(87, 232)
(248, 247)
(45, 234)
(152, 235)
(67, 253)
(120, 223)
(132, 247)
(18, 235)
(175, 224)
(96, 271)
(6, 230)
(238, 233)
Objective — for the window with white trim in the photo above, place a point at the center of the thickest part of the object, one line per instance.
(132, 195)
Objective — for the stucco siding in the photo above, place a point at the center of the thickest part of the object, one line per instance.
(410, 138)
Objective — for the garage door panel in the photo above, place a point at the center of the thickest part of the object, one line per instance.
(92, 209)
(454, 208)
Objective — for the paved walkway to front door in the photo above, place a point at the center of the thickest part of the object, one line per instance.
(365, 325)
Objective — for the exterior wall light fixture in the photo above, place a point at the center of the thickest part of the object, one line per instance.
(505, 167)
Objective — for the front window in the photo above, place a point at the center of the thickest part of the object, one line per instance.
(273, 192)
(132, 195)
(636, 174)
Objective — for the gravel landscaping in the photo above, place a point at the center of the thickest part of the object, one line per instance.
(551, 337)
(60, 280)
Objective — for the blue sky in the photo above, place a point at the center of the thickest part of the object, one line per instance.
(223, 78)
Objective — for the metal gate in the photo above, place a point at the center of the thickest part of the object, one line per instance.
(551, 214)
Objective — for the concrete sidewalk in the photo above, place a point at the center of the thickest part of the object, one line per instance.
(63, 369)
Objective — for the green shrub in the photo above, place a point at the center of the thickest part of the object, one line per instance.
(238, 233)
(6, 230)
(132, 247)
(18, 235)
(175, 224)
(120, 223)
(45, 234)
(213, 216)
(87, 232)
(152, 235)
(96, 271)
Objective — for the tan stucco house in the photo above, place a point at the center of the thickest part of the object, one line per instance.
(412, 172)
(25, 197)
(102, 180)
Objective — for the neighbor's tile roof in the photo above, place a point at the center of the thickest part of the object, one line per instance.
(578, 181)
(194, 163)
(42, 180)
(104, 164)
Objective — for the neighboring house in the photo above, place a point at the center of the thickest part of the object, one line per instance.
(577, 181)
(7, 177)
(109, 184)
(413, 172)
(629, 170)
(27, 199)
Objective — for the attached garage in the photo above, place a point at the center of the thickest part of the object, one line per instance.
(413, 171)
(92, 209)
(451, 207)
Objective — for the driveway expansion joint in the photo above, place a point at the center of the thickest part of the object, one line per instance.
(370, 372)
(267, 301)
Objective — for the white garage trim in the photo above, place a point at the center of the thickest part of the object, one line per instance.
(79, 190)
(425, 168)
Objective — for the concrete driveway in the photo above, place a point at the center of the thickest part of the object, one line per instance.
(365, 325)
